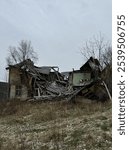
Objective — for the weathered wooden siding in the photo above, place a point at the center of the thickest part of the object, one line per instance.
(24, 92)
(14, 77)
(12, 91)
(15, 80)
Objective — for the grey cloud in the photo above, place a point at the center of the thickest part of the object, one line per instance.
(56, 28)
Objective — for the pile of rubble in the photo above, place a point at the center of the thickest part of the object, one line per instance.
(47, 83)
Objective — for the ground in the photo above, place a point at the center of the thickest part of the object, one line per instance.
(60, 125)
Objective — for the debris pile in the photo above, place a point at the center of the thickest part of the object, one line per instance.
(41, 82)
(47, 83)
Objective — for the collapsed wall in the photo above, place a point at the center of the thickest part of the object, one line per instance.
(28, 81)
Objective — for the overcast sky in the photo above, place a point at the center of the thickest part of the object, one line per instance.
(57, 29)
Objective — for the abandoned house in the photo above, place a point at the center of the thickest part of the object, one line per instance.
(88, 73)
(27, 80)
(89, 82)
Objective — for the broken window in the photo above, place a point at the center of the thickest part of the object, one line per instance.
(18, 90)
(37, 93)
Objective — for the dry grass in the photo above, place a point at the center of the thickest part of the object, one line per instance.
(55, 126)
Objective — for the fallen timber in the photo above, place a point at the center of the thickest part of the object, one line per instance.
(47, 83)
(95, 91)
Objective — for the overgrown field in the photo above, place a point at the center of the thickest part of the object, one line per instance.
(55, 126)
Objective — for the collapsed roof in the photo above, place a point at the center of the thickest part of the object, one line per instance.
(47, 82)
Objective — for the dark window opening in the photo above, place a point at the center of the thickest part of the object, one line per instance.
(37, 92)
(18, 90)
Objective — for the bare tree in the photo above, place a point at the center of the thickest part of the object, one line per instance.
(97, 47)
(107, 56)
(23, 52)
